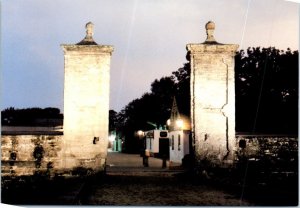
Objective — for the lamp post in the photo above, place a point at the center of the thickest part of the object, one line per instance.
(142, 140)
(140, 134)
(179, 124)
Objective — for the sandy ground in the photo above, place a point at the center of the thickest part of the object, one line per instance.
(159, 191)
(127, 182)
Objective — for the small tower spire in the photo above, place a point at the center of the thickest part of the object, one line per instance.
(175, 116)
(174, 112)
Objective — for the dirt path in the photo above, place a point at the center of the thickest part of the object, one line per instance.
(128, 183)
(151, 190)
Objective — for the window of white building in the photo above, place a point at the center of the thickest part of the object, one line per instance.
(179, 147)
(172, 142)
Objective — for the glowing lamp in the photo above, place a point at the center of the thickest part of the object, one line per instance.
(168, 122)
(140, 133)
(179, 123)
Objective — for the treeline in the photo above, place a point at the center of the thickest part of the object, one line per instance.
(153, 108)
(31, 117)
(266, 81)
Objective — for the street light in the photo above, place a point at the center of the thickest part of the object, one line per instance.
(168, 122)
(112, 137)
(179, 123)
(140, 133)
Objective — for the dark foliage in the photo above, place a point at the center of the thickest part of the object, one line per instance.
(155, 107)
(266, 81)
(112, 120)
(31, 117)
(182, 77)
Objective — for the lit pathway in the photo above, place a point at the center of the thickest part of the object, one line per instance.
(131, 164)
(127, 182)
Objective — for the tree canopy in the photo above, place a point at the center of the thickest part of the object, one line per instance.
(266, 81)
(266, 87)
(154, 107)
(31, 117)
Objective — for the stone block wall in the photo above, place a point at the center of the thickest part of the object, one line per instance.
(276, 149)
(39, 153)
(82, 149)
(213, 101)
(26, 155)
(86, 105)
(267, 160)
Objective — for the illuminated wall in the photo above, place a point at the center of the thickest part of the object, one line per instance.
(213, 98)
(86, 102)
(31, 153)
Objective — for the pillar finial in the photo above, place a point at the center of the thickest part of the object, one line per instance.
(89, 30)
(88, 40)
(210, 28)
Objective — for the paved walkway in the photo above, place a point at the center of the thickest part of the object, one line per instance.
(130, 160)
(132, 164)
(127, 182)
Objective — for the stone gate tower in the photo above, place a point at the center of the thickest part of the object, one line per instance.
(212, 98)
(86, 103)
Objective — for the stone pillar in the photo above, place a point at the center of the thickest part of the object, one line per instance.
(86, 103)
(213, 99)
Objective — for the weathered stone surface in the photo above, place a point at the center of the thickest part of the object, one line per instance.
(27, 154)
(257, 147)
(86, 104)
(82, 146)
(213, 100)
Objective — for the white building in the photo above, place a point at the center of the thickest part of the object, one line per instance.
(179, 131)
(157, 142)
(179, 145)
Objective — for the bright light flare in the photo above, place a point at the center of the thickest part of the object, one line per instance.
(140, 133)
(111, 138)
(179, 123)
(168, 122)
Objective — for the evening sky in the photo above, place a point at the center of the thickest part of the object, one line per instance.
(149, 37)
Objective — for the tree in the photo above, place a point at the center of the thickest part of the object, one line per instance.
(31, 117)
(182, 81)
(112, 120)
(154, 107)
(163, 91)
(266, 90)
(266, 83)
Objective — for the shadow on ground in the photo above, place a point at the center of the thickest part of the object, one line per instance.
(127, 182)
